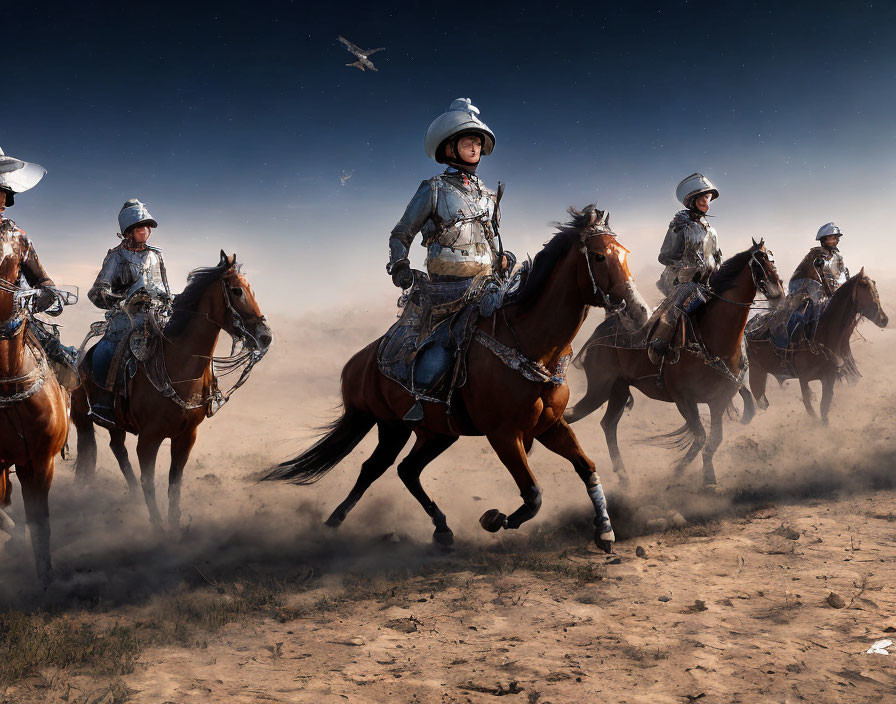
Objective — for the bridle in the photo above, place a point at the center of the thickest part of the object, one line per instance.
(599, 293)
(760, 281)
(246, 359)
(236, 320)
(875, 300)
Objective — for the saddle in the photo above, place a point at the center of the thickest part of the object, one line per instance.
(425, 350)
(141, 344)
(791, 327)
(44, 337)
(664, 335)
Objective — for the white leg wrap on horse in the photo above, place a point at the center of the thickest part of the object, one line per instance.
(602, 518)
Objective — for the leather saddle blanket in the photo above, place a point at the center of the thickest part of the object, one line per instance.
(425, 349)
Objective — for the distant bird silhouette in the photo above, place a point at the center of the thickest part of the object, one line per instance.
(346, 175)
(363, 62)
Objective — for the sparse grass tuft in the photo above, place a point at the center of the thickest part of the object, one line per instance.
(30, 642)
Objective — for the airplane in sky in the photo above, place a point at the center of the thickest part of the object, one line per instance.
(363, 62)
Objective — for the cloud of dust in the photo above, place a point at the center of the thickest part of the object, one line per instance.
(105, 551)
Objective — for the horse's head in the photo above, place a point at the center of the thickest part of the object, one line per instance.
(603, 274)
(867, 299)
(241, 317)
(765, 274)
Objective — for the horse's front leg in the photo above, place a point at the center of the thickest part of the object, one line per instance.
(120, 450)
(510, 448)
(694, 428)
(827, 395)
(716, 429)
(808, 397)
(85, 463)
(181, 446)
(35, 479)
(560, 438)
(147, 450)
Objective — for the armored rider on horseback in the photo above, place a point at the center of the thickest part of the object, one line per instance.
(133, 274)
(17, 176)
(690, 253)
(458, 218)
(821, 272)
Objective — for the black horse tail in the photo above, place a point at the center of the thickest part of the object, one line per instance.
(339, 438)
(749, 406)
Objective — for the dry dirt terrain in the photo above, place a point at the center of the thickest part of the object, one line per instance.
(771, 592)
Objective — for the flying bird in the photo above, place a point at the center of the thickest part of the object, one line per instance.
(363, 62)
(346, 175)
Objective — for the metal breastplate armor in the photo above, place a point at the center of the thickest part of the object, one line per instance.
(822, 269)
(453, 212)
(690, 249)
(124, 272)
(834, 270)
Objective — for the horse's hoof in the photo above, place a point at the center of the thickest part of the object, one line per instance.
(333, 521)
(445, 538)
(493, 520)
(604, 543)
(711, 489)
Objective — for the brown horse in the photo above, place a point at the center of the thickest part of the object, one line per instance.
(215, 299)
(828, 356)
(707, 377)
(583, 265)
(33, 414)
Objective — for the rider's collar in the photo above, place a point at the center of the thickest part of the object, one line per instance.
(468, 170)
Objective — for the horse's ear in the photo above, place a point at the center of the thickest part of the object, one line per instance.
(223, 261)
(233, 261)
(755, 243)
(862, 271)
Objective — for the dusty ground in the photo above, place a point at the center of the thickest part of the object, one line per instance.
(257, 601)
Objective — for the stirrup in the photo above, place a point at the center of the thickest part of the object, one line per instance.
(414, 415)
(95, 414)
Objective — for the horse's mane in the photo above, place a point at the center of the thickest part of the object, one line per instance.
(568, 234)
(186, 302)
(724, 278)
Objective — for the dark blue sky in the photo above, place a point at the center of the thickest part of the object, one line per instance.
(235, 123)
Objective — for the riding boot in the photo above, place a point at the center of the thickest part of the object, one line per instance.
(102, 408)
(657, 350)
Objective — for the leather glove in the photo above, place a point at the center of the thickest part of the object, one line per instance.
(45, 299)
(402, 275)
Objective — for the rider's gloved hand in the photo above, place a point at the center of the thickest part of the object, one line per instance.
(45, 299)
(402, 276)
